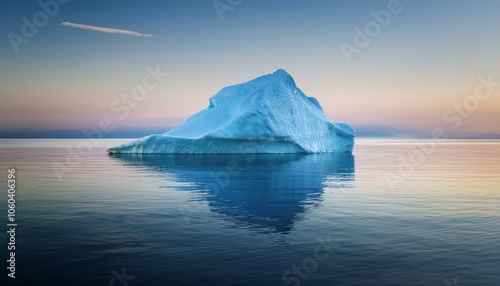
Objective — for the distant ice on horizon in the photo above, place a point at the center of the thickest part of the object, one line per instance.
(268, 114)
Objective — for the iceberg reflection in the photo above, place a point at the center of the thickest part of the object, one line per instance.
(265, 191)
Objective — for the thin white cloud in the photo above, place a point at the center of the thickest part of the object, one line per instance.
(105, 30)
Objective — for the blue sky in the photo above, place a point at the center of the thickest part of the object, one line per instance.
(426, 60)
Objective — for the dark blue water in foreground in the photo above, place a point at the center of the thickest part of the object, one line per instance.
(394, 213)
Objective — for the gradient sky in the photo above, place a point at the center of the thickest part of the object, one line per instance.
(428, 58)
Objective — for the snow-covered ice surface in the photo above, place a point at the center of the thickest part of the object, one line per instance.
(269, 114)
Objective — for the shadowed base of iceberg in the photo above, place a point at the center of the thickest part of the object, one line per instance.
(264, 192)
(163, 144)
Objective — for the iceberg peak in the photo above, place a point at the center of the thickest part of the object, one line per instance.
(283, 76)
(268, 114)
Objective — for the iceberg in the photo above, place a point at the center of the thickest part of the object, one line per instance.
(268, 114)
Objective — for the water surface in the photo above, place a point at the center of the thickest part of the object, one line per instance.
(393, 213)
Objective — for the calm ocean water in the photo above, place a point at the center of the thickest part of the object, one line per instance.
(393, 213)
